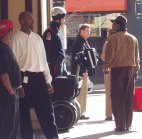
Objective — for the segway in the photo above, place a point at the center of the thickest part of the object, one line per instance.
(66, 108)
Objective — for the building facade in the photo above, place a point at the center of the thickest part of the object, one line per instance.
(84, 9)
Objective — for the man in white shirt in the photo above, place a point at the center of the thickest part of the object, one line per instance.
(30, 53)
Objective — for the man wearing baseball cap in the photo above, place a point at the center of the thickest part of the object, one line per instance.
(120, 20)
(122, 57)
(5, 26)
(10, 84)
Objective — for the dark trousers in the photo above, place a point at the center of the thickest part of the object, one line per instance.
(56, 69)
(36, 96)
(122, 86)
(9, 116)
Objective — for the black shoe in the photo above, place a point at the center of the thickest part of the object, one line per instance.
(128, 128)
(119, 129)
(108, 118)
(83, 117)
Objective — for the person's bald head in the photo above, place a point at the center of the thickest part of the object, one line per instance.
(26, 19)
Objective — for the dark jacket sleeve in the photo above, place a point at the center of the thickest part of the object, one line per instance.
(59, 46)
(54, 47)
(76, 48)
(47, 45)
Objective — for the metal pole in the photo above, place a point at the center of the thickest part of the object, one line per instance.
(58, 3)
(0, 9)
(49, 7)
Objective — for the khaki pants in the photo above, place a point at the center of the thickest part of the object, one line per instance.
(82, 98)
(108, 111)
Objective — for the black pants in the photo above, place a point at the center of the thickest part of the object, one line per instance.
(56, 68)
(9, 116)
(37, 97)
(122, 86)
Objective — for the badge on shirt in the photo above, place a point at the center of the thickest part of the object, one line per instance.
(25, 79)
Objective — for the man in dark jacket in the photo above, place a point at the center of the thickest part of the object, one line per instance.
(53, 42)
(10, 84)
(80, 44)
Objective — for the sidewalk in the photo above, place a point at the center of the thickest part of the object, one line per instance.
(96, 127)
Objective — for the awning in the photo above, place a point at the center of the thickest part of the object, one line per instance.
(95, 5)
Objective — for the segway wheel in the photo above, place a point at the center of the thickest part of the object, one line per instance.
(65, 115)
(77, 105)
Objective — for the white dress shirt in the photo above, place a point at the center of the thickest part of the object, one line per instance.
(30, 53)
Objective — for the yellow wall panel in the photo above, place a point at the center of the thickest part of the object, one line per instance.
(35, 14)
(15, 7)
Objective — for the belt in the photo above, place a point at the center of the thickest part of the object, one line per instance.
(28, 73)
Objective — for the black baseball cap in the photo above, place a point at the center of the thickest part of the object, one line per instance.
(122, 20)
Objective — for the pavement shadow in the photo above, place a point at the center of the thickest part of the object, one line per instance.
(101, 135)
(97, 92)
(90, 122)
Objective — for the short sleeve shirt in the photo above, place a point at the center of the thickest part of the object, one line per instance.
(9, 65)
